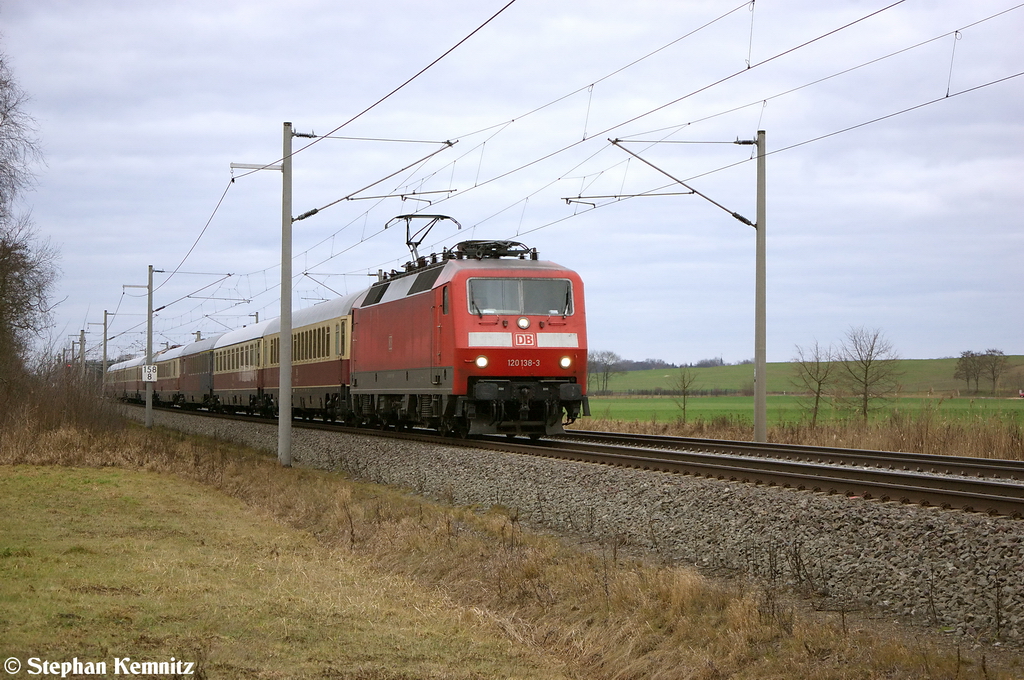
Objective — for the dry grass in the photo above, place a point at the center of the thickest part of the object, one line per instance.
(921, 432)
(600, 614)
(97, 563)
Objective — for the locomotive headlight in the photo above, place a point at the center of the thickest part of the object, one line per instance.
(565, 362)
(481, 361)
(523, 323)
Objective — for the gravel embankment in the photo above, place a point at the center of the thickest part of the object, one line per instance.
(961, 572)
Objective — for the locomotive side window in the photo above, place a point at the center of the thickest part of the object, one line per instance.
(552, 297)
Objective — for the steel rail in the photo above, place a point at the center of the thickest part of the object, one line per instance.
(992, 496)
(981, 495)
(918, 462)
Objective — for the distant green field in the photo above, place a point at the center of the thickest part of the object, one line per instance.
(933, 377)
(789, 409)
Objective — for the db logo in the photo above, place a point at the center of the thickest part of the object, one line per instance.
(524, 340)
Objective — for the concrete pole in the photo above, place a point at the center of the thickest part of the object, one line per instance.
(149, 348)
(81, 343)
(103, 380)
(760, 311)
(284, 406)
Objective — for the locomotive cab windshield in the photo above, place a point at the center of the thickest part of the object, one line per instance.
(538, 297)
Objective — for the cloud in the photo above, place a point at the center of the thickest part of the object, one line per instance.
(907, 224)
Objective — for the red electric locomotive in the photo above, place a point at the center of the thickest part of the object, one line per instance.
(483, 339)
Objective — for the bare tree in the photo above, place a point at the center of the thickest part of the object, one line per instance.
(1015, 379)
(27, 265)
(994, 363)
(602, 365)
(27, 274)
(968, 368)
(870, 367)
(815, 370)
(18, 146)
(684, 384)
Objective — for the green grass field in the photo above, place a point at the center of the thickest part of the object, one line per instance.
(920, 377)
(790, 409)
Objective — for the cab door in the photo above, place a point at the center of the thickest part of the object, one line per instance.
(442, 338)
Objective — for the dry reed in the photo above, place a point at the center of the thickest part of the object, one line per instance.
(983, 436)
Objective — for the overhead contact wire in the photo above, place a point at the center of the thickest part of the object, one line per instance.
(396, 90)
(205, 227)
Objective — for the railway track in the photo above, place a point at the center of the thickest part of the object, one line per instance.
(977, 485)
(991, 486)
(826, 471)
(990, 468)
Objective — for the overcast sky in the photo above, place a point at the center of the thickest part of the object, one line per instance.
(911, 224)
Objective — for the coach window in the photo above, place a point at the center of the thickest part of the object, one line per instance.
(444, 300)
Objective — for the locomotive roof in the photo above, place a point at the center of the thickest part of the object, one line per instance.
(498, 267)
(422, 279)
(505, 264)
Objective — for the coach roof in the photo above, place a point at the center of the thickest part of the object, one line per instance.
(331, 309)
